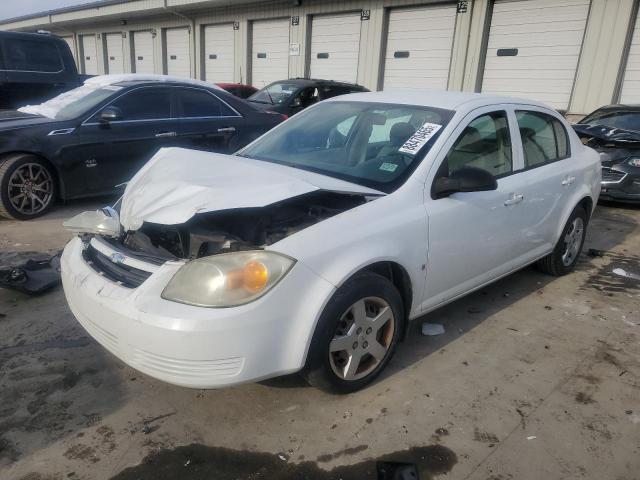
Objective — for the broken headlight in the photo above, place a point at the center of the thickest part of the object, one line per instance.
(104, 221)
(227, 280)
(634, 161)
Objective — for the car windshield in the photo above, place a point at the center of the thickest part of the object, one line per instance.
(275, 94)
(371, 144)
(619, 119)
(73, 103)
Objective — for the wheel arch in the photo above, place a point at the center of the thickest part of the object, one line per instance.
(54, 169)
(584, 200)
(399, 277)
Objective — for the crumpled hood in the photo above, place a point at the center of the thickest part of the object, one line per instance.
(608, 134)
(178, 183)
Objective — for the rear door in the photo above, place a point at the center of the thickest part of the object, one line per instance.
(551, 176)
(206, 122)
(109, 154)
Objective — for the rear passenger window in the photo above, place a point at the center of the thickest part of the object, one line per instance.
(145, 104)
(31, 56)
(486, 144)
(544, 138)
(199, 103)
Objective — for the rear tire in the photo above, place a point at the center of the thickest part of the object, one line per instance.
(356, 335)
(565, 255)
(27, 187)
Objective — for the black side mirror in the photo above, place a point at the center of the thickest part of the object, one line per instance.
(110, 114)
(467, 179)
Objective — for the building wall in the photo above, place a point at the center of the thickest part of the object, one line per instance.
(597, 80)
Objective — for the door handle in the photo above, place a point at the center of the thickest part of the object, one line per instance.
(568, 181)
(165, 134)
(513, 199)
(227, 129)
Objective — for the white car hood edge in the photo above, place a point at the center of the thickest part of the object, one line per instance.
(178, 183)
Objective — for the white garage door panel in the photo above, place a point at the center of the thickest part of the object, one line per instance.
(143, 52)
(548, 35)
(426, 33)
(630, 92)
(336, 37)
(89, 54)
(178, 51)
(269, 51)
(219, 53)
(115, 56)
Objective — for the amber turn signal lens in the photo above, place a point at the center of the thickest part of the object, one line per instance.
(255, 276)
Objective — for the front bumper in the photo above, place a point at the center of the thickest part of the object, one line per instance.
(623, 189)
(193, 346)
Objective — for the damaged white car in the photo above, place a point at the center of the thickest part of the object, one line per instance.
(310, 249)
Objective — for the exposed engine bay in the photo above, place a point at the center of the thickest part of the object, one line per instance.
(237, 229)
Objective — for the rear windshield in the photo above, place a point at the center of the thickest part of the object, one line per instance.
(27, 55)
(375, 145)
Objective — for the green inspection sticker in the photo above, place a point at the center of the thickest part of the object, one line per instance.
(388, 167)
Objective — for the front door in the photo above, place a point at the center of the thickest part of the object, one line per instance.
(474, 236)
(108, 154)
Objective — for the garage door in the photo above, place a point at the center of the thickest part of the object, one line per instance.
(143, 57)
(335, 45)
(72, 47)
(534, 47)
(89, 54)
(178, 60)
(269, 51)
(630, 92)
(419, 43)
(219, 53)
(114, 54)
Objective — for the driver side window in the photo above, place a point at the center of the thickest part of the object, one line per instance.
(485, 143)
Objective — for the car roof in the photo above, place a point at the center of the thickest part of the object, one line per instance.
(130, 79)
(319, 81)
(435, 98)
(618, 107)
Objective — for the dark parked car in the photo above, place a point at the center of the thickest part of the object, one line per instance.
(34, 67)
(614, 131)
(292, 96)
(238, 89)
(90, 139)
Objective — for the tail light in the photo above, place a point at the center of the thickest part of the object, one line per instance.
(282, 115)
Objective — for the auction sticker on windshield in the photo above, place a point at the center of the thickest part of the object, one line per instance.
(419, 138)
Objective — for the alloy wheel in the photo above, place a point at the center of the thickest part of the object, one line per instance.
(30, 188)
(362, 339)
(573, 241)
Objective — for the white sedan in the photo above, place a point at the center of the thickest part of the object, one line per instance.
(310, 249)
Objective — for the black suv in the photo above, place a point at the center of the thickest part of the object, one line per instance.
(291, 96)
(34, 67)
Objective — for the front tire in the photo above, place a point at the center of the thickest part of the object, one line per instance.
(356, 335)
(27, 187)
(565, 255)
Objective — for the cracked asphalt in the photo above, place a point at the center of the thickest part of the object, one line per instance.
(535, 378)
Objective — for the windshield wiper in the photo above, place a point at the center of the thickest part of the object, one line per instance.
(270, 97)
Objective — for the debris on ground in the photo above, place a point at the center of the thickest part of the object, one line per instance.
(594, 252)
(531, 437)
(432, 329)
(623, 273)
(29, 272)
